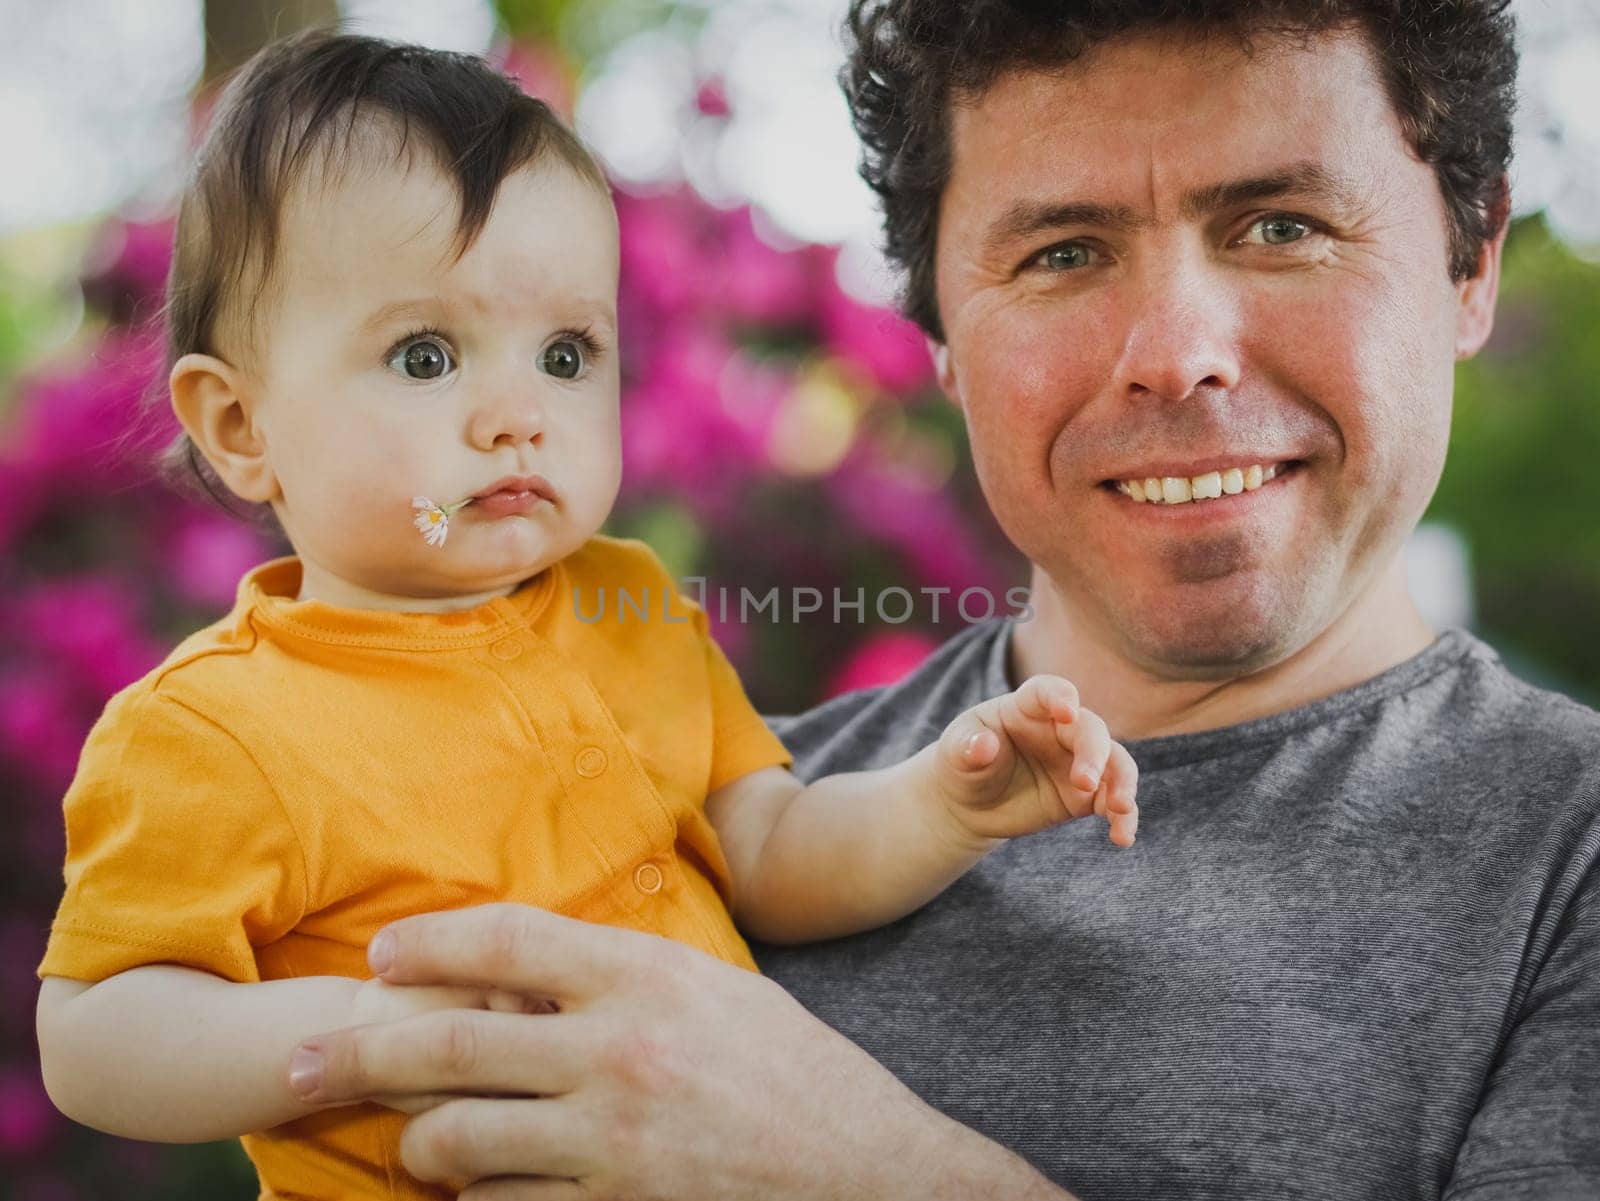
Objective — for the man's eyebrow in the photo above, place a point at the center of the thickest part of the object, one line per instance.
(1029, 218)
(1026, 219)
(1311, 180)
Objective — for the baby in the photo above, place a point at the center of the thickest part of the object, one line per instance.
(392, 318)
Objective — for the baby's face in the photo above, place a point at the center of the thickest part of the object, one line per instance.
(390, 369)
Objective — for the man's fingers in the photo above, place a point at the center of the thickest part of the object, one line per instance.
(451, 1050)
(524, 1188)
(511, 947)
(474, 1137)
(415, 1102)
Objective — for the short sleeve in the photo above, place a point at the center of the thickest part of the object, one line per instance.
(741, 743)
(1536, 1133)
(178, 850)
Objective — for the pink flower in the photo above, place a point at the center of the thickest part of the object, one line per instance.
(209, 552)
(920, 521)
(697, 423)
(133, 256)
(26, 499)
(27, 1118)
(85, 628)
(711, 99)
(90, 431)
(42, 727)
(761, 283)
(890, 350)
(885, 658)
(666, 259)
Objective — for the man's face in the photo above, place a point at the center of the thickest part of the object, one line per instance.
(1172, 259)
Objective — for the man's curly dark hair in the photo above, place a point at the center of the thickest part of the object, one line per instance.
(1449, 67)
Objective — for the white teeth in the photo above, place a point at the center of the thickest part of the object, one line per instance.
(1175, 490)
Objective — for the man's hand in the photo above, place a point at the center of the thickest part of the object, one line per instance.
(377, 1000)
(663, 1074)
(1031, 759)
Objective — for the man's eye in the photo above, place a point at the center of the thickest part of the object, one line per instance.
(421, 358)
(1069, 256)
(563, 359)
(1278, 230)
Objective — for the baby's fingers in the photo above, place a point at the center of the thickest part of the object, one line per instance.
(1114, 800)
(968, 745)
(1090, 744)
(1046, 699)
(1121, 780)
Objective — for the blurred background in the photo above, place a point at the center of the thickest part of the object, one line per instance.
(780, 423)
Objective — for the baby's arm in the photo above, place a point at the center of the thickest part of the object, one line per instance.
(858, 850)
(173, 1055)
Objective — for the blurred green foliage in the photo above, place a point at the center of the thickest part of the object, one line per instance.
(584, 30)
(1520, 483)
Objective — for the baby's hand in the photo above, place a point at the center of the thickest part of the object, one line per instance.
(1034, 758)
(377, 1001)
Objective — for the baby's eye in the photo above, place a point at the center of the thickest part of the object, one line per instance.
(421, 358)
(564, 358)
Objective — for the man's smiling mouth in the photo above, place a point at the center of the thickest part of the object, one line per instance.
(1211, 485)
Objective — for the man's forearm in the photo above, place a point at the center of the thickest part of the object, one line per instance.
(855, 851)
(959, 1164)
(172, 1055)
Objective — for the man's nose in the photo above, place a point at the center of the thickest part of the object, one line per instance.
(1182, 334)
(512, 414)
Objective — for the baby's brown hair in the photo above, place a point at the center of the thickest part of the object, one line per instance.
(310, 102)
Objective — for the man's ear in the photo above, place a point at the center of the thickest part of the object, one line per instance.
(1475, 311)
(214, 406)
(945, 370)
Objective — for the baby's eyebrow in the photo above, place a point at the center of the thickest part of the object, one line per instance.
(601, 310)
(385, 314)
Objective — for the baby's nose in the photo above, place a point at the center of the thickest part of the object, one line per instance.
(507, 419)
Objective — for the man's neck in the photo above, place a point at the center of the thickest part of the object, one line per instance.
(1378, 630)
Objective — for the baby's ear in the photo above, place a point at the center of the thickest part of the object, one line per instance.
(215, 406)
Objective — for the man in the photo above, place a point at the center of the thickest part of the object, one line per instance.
(1356, 949)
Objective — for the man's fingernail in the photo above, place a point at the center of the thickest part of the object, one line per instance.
(305, 1072)
(380, 952)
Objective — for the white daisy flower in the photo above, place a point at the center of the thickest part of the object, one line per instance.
(431, 520)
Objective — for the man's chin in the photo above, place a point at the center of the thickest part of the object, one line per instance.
(1218, 638)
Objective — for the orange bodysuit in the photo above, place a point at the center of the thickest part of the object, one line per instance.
(297, 775)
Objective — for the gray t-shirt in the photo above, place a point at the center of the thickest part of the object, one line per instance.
(1354, 953)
